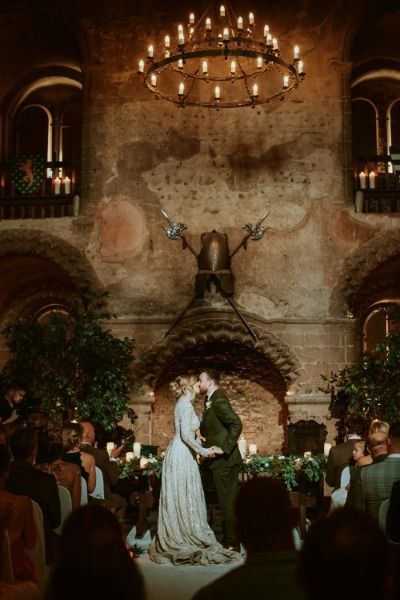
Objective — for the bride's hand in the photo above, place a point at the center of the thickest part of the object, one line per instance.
(199, 436)
(215, 450)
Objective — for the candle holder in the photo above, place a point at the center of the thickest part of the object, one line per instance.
(214, 40)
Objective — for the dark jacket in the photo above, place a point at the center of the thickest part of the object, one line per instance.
(25, 480)
(339, 458)
(221, 427)
(270, 575)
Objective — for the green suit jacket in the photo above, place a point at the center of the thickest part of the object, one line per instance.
(221, 427)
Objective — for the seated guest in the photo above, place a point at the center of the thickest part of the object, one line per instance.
(93, 561)
(339, 456)
(25, 480)
(9, 403)
(360, 455)
(66, 474)
(359, 459)
(264, 523)
(344, 556)
(108, 466)
(377, 479)
(72, 437)
(377, 446)
(16, 515)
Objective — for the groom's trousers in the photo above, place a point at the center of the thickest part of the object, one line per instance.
(226, 480)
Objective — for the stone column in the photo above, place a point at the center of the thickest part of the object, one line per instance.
(311, 406)
(142, 404)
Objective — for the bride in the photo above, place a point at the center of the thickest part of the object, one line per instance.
(183, 534)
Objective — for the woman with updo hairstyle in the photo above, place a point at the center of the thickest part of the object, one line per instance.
(183, 533)
(378, 426)
(72, 437)
(184, 384)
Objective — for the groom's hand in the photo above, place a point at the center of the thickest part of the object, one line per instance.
(215, 450)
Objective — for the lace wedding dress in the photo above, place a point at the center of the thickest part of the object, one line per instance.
(183, 534)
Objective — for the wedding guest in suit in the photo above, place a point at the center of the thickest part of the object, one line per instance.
(264, 523)
(340, 455)
(25, 480)
(221, 427)
(377, 479)
(377, 446)
(16, 514)
(344, 556)
(393, 515)
(108, 465)
(93, 560)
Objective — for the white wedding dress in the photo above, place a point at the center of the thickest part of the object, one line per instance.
(183, 534)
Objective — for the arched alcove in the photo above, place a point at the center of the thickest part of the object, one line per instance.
(368, 275)
(255, 373)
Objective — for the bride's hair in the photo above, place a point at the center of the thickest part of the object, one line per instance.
(183, 384)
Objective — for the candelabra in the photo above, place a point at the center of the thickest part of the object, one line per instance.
(217, 63)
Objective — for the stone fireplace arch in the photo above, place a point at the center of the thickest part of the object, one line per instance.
(256, 375)
(223, 330)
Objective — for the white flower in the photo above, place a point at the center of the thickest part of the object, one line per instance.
(208, 404)
(307, 454)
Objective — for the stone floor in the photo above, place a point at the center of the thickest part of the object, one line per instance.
(167, 582)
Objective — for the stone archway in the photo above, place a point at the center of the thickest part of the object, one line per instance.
(359, 266)
(37, 269)
(54, 249)
(255, 373)
(223, 329)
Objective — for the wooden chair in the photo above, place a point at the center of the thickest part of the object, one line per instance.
(65, 505)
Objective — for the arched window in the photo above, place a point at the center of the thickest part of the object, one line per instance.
(378, 324)
(394, 124)
(33, 131)
(364, 127)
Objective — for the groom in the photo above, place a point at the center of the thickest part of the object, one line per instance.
(221, 427)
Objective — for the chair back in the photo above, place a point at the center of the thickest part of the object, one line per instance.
(6, 567)
(65, 505)
(345, 478)
(98, 491)
(38, 553)
(84, 492)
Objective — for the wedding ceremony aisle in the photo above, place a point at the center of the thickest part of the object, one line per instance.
(168, 582)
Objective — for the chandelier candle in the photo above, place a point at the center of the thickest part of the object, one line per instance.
(221, 49)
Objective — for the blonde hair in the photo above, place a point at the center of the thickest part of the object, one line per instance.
(183, 384)
(378, 426)
(360, 445)
(72, 434)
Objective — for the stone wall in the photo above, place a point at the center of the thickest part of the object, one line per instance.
(209, 170)
(263, 416)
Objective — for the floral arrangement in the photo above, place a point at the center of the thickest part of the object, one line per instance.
(291, 469)
(141, 466)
